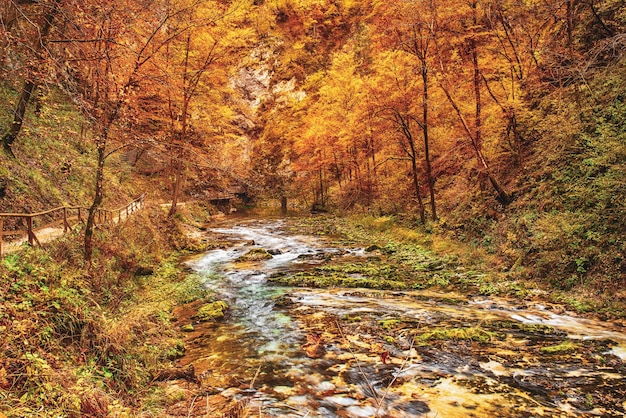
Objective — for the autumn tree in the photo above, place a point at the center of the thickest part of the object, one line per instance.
(408, 26)
(107, 46)
(459, 56)
(196, 63)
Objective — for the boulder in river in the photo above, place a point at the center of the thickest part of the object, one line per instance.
(256, 254)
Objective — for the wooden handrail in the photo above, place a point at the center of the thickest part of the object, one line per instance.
(108, 215)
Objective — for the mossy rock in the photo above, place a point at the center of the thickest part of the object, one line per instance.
(564, 347)
(336, 280)
(187, 328)
(256, 254)
(212, 311)
(458, 334)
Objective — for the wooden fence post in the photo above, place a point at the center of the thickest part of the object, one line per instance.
(32, 238)
(29, 227)
(66, 225)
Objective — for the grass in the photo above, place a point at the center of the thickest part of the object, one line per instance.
(422, 260)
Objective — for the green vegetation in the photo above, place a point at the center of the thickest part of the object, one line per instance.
(212, 311)
(336, 280)
(335, 122)
(256, 254)
(476, 334)
(58, 170)
(566, 346)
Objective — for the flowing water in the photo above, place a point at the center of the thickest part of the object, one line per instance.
(305, 352)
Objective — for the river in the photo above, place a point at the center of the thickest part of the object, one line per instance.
(338, 352)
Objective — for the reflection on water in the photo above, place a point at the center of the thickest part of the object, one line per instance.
(301, 357)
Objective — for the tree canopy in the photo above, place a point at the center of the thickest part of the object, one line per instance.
(440, 111)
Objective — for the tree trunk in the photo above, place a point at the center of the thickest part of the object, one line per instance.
(416, 184)
(478, 137)
(97, 201)
(187, 93)
(429, 170)
(474, 137)
(177, 184)
(18, 117)
(283, 204)
(503, 196)
(29, 84)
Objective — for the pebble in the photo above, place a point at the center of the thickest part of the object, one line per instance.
(325, 387)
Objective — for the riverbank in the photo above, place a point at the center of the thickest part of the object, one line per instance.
(431, 260)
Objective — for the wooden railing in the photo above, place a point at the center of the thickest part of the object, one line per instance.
(66, 216)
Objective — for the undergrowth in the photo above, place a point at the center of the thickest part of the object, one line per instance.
(78, 342)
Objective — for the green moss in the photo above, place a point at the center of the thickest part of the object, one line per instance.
(389, 323)
(177, 350)
(489, 289)
(439, 280)
(377, 269)
(187, 328)
(336, 280)
(212, 311)
(566, 346)
(467, 334)
(535, 329)
(190, 289)
(352, 318)
(256, 254)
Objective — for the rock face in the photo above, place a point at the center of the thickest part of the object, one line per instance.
(258, 84)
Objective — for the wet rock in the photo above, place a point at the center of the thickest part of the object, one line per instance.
(342, 401)
(188, 373)
(413, 408)
(297, 401)
(361, 411)
(230, 392)
(212, 311)
(284, 390)
(284, 301)
(325, 388)
(142, 271)
(256, 254)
